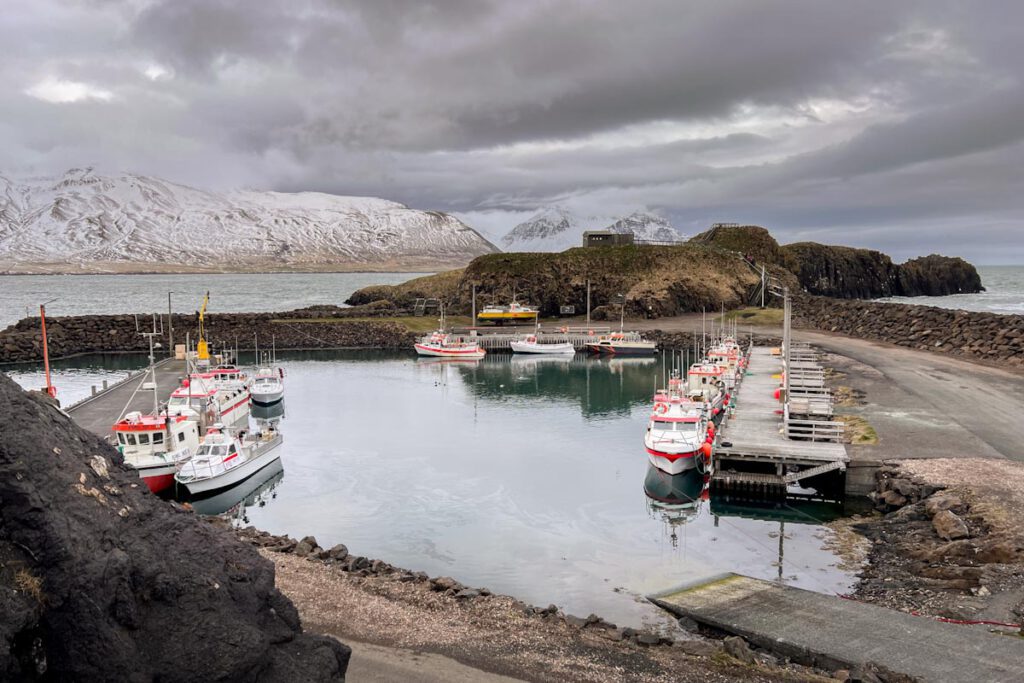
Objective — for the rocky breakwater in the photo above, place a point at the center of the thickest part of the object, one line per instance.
(100, 580)
(984, 336)
(948, 543)
(312, 328)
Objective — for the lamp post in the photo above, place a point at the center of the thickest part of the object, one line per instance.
(170, 326)
(50, 389)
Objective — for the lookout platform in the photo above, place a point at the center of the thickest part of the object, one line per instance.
(99, 412)
(831, 632)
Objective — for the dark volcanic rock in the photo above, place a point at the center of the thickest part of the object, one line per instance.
(938, 276)
(100, 580)
(842, 272)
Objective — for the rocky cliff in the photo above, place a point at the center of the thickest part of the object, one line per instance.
(102, 581)
(938, 276)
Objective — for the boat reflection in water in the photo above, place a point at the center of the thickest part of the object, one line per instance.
(232, 502)
(675, 498)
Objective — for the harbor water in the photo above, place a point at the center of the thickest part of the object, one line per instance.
(525, 475)
(1004, 293)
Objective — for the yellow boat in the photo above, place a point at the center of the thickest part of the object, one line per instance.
(514, 312)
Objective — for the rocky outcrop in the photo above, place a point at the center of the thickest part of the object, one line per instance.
(938, 276)
(100, 580)
(309, 328)
(984, 336)
(849, 273)
(656, 281)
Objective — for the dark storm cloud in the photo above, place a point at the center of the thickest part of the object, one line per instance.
(883, 123)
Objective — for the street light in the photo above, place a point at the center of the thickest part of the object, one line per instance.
(50, 389)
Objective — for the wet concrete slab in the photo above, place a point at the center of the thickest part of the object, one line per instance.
(833, 632)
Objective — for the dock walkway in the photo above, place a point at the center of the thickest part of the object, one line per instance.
(828, 631)
(756, 431)
(99, 412)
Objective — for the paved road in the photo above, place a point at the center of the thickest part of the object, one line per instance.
(922, 404)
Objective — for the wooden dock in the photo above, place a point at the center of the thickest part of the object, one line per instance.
(830, 632)
(767, 443)
(99, 412)
(502, 340)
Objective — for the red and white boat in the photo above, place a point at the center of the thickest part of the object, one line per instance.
(208, 400)
(441, 345)
(679, 433)
(223, 459)
(156, 445)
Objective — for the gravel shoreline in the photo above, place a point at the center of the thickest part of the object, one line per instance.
(373, 602)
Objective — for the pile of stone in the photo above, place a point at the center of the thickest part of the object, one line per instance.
(985, 336)
(312, 328)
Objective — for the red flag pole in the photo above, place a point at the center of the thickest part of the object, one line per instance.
(50, 389)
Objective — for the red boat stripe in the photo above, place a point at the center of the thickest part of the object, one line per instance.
(671, 457)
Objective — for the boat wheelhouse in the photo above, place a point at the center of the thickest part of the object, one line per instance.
(155, 445)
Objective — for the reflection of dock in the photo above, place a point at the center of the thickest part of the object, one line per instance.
(764, 446)
(98, 412)
(496, 341)
(830, 632)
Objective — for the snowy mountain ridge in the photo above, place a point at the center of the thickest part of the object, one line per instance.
(558, 228)
(86, 222)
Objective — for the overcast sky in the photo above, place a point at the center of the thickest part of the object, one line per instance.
(893, 125)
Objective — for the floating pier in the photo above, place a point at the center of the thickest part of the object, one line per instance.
(768, 442)
(99, 412)
(831, 632)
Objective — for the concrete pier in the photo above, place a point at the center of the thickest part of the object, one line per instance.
(99, 412)
(832, 632)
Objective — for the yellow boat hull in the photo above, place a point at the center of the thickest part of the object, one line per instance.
(506, 317)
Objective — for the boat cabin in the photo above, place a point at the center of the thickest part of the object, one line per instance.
(141, 435)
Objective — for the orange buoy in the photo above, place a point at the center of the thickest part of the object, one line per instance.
(777, 394)
(706, 449)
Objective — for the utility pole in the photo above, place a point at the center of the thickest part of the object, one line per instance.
(787, 339)
(472, 323)
(763, 285)
(588, 304)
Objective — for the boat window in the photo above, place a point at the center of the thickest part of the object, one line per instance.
(181, 436)
(143, 439)
(664, 426)
(158, 437)
(120, 438)
(177, 402)
(130, 438)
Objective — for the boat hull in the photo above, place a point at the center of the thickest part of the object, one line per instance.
(439, 352)
(157, 479)
(559, 348)
(268, 398)
(237, 474)
(673, 463)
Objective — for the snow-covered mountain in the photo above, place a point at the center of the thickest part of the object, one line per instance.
(557, 228)
(83, 221)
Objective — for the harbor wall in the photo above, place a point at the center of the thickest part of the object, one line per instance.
(302, 329)
(968, 334)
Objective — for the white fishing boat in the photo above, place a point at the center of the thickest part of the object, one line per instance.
(155, 444)
(223, 460)
(440, 344)
(623, 344)
(679, 432)
(267, 386)
(530, 344)
(199, 399)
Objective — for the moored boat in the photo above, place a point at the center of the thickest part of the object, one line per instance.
(515, 312)
(154, 445)
(267, 386)
(623, 344)
(442, 345)
(223, 460)
(530, 344)
(679, 431)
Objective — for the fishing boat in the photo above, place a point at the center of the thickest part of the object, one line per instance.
(623, 344)
(530, 344)
(223, 460)
(267, 386)
(440, 344)
(155, 445)
(706, 384)
(515, 312)
(200, 399)
(679, 431)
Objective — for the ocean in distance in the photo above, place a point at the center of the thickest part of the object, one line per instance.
(20, 295)
(1004, 293)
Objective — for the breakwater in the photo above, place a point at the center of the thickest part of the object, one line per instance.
(314, 328)
(973, 335)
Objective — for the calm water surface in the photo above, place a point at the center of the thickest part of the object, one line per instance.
(20, 295)
(523, 475)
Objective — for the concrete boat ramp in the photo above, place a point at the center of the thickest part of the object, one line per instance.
(833, 633)
(99, 412)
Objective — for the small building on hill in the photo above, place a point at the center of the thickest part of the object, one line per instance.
(606, 238)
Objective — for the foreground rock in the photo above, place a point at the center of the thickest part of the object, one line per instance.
(100, 580)
(950, 544)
